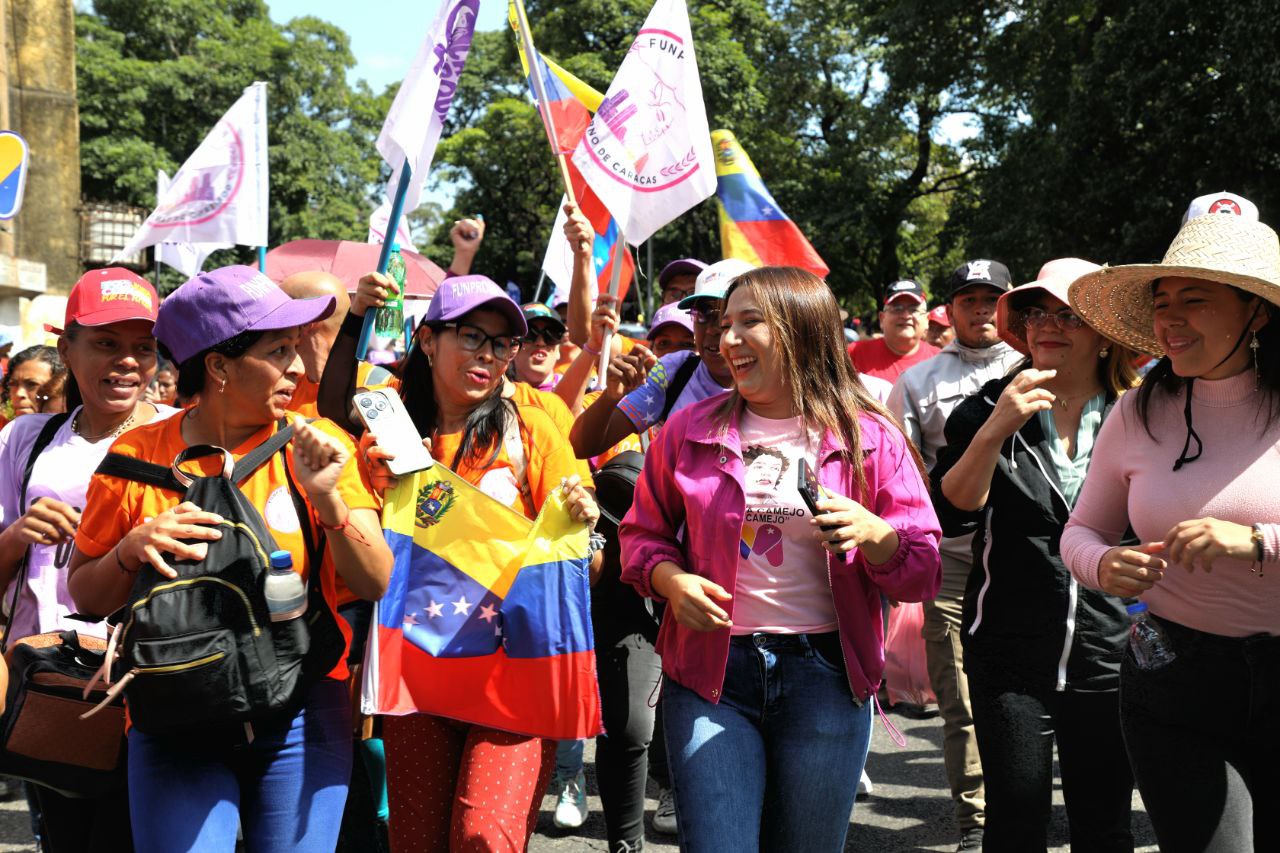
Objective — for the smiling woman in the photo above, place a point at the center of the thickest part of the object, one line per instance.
(110, 351)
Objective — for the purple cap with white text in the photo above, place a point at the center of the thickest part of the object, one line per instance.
(463, 294)
(216, 306)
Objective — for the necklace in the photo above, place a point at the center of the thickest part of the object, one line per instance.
(114, 432)
(1065, 401)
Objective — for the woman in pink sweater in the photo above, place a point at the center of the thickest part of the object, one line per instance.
(1191, 462)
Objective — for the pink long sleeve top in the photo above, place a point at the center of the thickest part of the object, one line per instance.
(693, 479)
(1236, 478)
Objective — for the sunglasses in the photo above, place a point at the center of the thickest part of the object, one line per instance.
(1038, 318)
(704, 315)
(545, 334)
(473, 338)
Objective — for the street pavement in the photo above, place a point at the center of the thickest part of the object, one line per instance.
(909, 810)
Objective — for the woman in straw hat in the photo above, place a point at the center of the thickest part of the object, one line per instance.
(1191, 464)
(1037, 648)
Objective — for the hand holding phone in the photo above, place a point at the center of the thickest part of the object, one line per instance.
(810, 491)
(389, 422)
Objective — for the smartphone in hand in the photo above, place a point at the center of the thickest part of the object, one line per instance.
(810, 491)
(386, 417)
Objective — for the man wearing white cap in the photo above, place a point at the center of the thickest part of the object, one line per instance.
(646, 397)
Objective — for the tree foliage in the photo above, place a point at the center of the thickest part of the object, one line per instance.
(155, 75)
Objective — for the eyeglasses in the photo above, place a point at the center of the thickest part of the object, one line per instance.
(545, 334)
(904, 308)
(675, 294)
(472, 339)
(1038, 318)
(704, 316)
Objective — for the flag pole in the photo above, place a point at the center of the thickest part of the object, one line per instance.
(262, 259)
(615, 279)
(384, 257)
(540, 92)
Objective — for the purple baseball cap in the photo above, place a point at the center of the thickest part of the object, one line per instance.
(669, 315)
(684, 266)
(216, 306)
(463, 294)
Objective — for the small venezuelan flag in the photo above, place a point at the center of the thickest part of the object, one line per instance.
(487, 618)
(752, 226)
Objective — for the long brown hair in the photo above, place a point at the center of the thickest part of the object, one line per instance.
(803, 317)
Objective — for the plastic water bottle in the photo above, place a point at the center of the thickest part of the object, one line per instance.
(389, 322)
(1148, 640)
(286, 593)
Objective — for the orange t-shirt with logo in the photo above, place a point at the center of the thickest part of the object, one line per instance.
(115, 506)
(304, 399)
(548, 460)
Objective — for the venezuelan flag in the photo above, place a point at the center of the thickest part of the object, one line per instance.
(752, 227)
(571, 104)
(488, 615)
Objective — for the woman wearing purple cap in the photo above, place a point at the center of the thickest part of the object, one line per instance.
(1042, 652)
(234, 335)
(451, 785)
(107, 343)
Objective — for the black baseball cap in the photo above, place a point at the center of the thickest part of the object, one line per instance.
(976, 272)
(905, 287)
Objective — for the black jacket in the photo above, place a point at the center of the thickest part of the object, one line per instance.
(1024, 613)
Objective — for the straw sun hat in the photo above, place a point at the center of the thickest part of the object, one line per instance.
(1117, 301)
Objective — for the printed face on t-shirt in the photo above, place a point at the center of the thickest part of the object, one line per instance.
(765, 468)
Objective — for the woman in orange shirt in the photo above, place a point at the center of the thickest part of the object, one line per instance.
(234, 335)
(454, 786)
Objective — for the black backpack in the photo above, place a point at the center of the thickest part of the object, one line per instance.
(201, 650)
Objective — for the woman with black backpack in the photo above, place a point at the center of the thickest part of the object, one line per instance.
(277, 765)
(108, 344)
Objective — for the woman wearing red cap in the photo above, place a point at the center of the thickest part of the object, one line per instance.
(282, 779)
(109, 347)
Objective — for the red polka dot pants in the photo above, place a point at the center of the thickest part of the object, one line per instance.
(461, 788)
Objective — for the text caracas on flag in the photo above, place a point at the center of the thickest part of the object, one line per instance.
(752, 226)
(487, 618)
(220, 194)
(647, 152)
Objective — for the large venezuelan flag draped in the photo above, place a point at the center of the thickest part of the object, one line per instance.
(487, 618)
(752, 227)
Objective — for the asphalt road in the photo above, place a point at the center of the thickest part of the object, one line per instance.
(910, 808)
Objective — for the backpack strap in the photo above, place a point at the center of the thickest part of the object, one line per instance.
(140, 471)
(43, 439)
(254, 459)
(678, 382)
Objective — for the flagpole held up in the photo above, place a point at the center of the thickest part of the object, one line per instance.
(393, 224)
(615, 277)
(539, 90)
(262, 259)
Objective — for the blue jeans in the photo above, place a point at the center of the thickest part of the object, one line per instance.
(775, 765)
(569, 759)
(287, 787)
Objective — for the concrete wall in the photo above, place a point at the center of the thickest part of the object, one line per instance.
(41, 48)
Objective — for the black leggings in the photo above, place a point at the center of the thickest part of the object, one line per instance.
(1203, 734)
(1016, 730)
(628, 670)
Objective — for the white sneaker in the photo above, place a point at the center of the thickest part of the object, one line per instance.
(864, 785)
(664, 816)
(571, 804)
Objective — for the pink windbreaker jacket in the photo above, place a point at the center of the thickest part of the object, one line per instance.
(693, 476)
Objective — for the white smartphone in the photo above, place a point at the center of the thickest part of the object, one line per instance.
(386, 417)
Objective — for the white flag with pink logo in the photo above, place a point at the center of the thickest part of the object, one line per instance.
(186, 258)
(647, 152)
(378, 228)
(220, 194)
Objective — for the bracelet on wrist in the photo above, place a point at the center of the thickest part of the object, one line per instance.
(120, 562)
(588, 350)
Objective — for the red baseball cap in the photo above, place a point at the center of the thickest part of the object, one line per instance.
(939, 315)
(109, 295)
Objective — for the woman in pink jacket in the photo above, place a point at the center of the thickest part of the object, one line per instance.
(772, 641)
